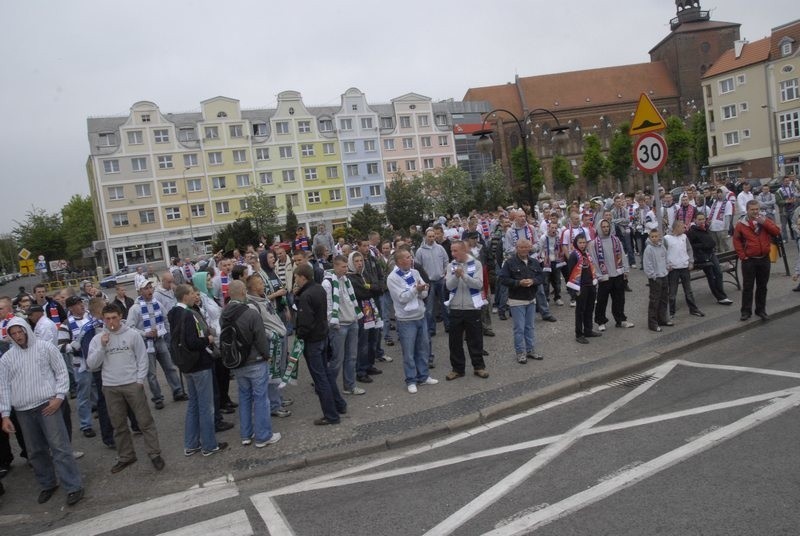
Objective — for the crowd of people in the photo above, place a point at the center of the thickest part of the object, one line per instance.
(251, 315)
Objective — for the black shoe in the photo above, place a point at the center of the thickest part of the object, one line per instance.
(550, 318)
(431, 365)
(502, 315)
(488, 333)
(224, 425)
(88, 432)
(136, 431)
(160, 404)
(745, 316)
(323, 422)
(341, 411)
(593, 334)
(796, 289)
(158, 461)
(389, 342)
(763, 315)
(485, 353)
(180, 397)
(534, 356)
(74, 497)
(120, 465)
(374, 371)
(230, 404)
(364, 379)
(4, 469)
(628, 289)
(582, 340)
(46, 494)
(110, 445)
(227, 411)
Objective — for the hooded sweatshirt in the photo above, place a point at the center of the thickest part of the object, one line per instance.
(607, 254)
(199, 282)
(123, 360)
(654, 259)
(31, 376)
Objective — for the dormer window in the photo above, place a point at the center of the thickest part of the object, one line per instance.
(786, 46)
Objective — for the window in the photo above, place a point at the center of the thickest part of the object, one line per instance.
(440, 120)
(285, 151)
(307, 149)
(135, 137)
(325, 125)
(741, 79)
(387, 122)
(355, 192)
(408, 143)
(786, 48)
(236, 131)
(789, 125)
(288, 175)
(314, 197)
(186, 134)
(745, 133)
(427, 163)
(259, 129)
(388, 144)
(190, 160)
(375, 190)
(218, 183)
(349, 147)
(345, 124)
(215, 158)
(445, 161)
(262, 153)
(120, 219)
(366, 122)
(726, 86)
(222, 114)
(391, 167)
(143, 190)
(443, 141)
(411, 165)
(169, 188)
(212, 133)
(165, 162)
(304, 127)
(145, 118)
(173, 213)
(198, 211)
(240, 156)
(161, 135)
(282, 127)
(423, 120)
(372, 168)
(732, 138)
(111, 166)
(108, 139)
(729, 112)
(244, 205)
(332, 172)
(272, 201)
(743, 107)
(369, 146)
(352, 170)
(243, 180)
(115, 193)
(147, 216)
(328, 148)
(789, 90)
(194, 185)
(265, 177)
(335, 195)
(222, 207)
(294, 199)
(139, 164)
(405, 121)
(310, 174)
(425, 141)
(354, 107)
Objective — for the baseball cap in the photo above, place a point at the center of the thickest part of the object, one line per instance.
(36, 309)
(143, 284)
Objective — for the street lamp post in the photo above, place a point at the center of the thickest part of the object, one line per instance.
(485, 143)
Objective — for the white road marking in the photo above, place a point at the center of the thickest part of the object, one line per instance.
(233, 524)
(542, 458)
(270, 512)
(596, 493)
(143, 511)
(734, 368)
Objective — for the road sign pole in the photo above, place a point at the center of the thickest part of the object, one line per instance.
(657, 198)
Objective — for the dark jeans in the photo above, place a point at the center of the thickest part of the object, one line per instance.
(613, 287)
(658, 303)
(714, 277)
(584, 308)
(683, 277)
(368, 341)
(466, 323)
(500, 295)
(324, 379)
(222, 375)
(755, 271)
(552, 279)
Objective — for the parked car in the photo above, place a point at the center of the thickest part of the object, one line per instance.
(125, 275)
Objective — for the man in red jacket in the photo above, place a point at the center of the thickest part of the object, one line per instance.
(752, 238)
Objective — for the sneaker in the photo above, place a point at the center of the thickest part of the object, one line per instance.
(431, 365)
(522, 358)
(625, 324)
(559, 301)
(190, 452)
(601, 327)
(453, 375)
(582, 340)
(364, 379)
(74, 497)
(572, 303)
(727, 301)
(77, 454)
(159, 404)
(430, 381)
(158, 461)
(412, 388)
(88, 432)
(373, 371)
(120, 465)
(494, 310)
(633, 265)
(388, 342)
(480, 373)
(220, 447)
(534, 356)
(385, 358)
(286, 402)
(271, 441)
(247, 441)
(356, 390)
(281, 413)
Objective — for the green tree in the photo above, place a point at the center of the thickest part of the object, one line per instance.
(450, 190)
(594, 163)
(620, 154)
(42, 234)
(699, 139)
(8, 254)
(237, 234)
(407, 202)
(679, 145)
(79, 226)
(290, 230)
(518, 172)
(492, 190)
(261, 208)
(562, 172)
(367, 219)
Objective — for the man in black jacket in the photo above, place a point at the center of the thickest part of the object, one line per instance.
(522, 273)
(705, 257)
(190, 346)
(311, 326)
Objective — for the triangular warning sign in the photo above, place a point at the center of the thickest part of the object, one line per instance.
(646, 118)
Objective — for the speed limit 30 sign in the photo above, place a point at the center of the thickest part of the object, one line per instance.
(650, 153)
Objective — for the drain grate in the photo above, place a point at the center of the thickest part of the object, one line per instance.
(634, 380)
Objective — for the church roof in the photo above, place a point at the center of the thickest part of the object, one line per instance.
(694, 27)
(752, 53)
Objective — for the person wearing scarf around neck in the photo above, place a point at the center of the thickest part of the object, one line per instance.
(583, 281)
(370, 324)
(611, 266)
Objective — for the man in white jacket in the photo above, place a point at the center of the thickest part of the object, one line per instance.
(680, 261)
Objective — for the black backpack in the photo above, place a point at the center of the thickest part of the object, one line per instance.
(184, 358)
(233, 347)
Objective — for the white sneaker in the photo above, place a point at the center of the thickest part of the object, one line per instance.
(625, 324)
(430, 381)
(559, 302)
(601, 327)
(494, 310)
(354, 391)
(77, 454)
(246, 442)
(276, 436)
(572, 303)
(412, 388)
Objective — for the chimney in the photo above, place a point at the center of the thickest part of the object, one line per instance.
(738, 47)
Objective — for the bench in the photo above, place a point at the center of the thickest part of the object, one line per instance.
(728, 263)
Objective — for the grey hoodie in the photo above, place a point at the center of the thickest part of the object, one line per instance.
(655, 260)
(123, 360)
(607, 241)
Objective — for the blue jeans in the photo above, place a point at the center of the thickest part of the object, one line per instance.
(324, 377)
(199, 426)
(49, 449)
(254, 415)
(542, 304)
(83, 381)
(344, 346)
(501, 295)
(415, 343)
(162, 356)
(438, 294)
(387, 311)
(523, 317)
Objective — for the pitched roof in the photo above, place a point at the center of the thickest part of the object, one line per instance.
(581, 89)
(752, 53)
(790, 30)
(696, 27)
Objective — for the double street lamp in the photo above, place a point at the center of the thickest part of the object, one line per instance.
(485, 143)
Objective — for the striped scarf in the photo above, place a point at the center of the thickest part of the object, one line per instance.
(408, 277)
(336, 296)
(575, 276)
(3, 324)
(301, 243)
(147, 321)
(475, 294)
(718, 210)
(616, 245)
(372, 316)
(223, 283)
(290, 374)
(54, 316)
(187, 270)
(485, 228)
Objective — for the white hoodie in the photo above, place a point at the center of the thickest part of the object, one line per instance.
(123, 360)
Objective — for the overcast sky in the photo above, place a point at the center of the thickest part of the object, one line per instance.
(65, 61)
